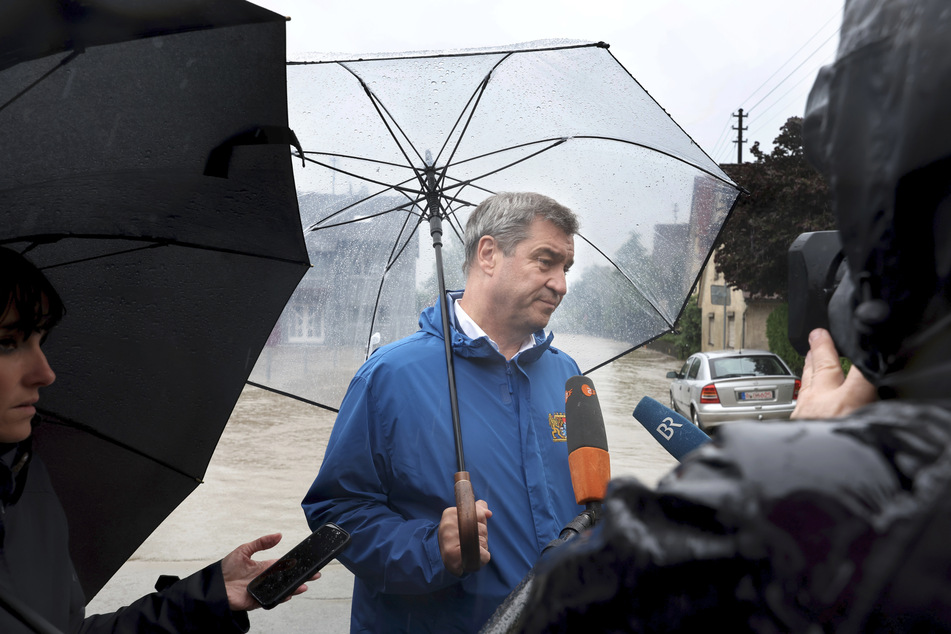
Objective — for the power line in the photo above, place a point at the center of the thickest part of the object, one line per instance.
(757, 115)
(836, 16)
(762, 121)
(724, 137)
(795, 69)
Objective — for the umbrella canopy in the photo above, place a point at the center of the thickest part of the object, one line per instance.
(389, 138)
(145, 169)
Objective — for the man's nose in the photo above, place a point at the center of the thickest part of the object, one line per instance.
(558, 283)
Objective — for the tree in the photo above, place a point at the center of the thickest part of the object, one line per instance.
(685, 339)
(787, 197)
(606, 303)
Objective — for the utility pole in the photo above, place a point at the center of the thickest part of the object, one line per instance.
(739, 136)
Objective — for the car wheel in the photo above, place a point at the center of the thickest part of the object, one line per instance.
(695, 417)
(673, 405)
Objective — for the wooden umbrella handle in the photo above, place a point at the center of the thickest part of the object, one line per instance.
(468, 523)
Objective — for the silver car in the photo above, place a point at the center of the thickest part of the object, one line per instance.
(726, 385)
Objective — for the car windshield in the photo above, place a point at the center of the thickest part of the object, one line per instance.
(761, 365)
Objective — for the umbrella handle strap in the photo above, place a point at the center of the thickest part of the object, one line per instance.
(468, 523)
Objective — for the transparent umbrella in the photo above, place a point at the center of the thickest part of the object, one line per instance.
(385, 136)
(399, 146)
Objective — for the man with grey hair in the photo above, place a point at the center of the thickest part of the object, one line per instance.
(386, 475)
(512, 304)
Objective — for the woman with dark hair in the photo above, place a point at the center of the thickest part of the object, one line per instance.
(37, 582)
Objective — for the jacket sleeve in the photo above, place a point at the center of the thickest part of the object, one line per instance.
(195, 604)
(388, 551)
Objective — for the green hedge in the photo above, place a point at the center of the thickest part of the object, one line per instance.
(777, 334)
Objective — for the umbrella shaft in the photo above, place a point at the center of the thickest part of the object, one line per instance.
(435, 230)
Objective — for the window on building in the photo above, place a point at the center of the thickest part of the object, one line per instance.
(306, 325)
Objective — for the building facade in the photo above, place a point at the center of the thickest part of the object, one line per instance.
(730, 319)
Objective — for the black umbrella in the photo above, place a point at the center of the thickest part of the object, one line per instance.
(393, 142)
(145, 169)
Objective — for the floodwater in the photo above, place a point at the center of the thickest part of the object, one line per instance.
(272, 448)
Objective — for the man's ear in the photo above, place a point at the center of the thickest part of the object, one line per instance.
(488, 254)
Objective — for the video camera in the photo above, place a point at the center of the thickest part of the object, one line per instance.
(816, 267)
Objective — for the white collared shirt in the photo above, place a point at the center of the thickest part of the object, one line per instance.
(473, 331)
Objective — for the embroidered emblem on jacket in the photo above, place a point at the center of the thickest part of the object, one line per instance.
(557, 424)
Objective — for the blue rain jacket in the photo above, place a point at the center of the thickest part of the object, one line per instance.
(387, 475)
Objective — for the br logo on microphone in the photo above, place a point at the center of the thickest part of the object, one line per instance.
(668, 431)
(674, 432)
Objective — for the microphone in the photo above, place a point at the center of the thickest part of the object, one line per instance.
(588, 458)
(677, 434)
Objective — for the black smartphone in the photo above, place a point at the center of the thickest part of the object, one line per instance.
(288, 573)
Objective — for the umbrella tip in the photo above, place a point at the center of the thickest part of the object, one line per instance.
(599, 44)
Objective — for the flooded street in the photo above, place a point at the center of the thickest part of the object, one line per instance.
(272, 449)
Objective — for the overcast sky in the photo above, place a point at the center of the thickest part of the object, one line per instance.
(700, 59)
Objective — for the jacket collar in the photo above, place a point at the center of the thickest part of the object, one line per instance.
(430, 321)
(13, 470)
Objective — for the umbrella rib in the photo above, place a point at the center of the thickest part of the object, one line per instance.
(447, 54)
(153, 243)
(658, 151)
(354, 220)
(47, 417)
(454, 221)
(387, 120)
(350, 156)
(394, 255)
(293, 396)
(459, 184)
(387, 187)
(378, 105)
(35, 83)
(558, 140)
(477, 96)
(471, 106)
(399, 186)
(634, 79)
(315, 227)
(462, 183)
(650, 300)
(363, 178)
(618, 356)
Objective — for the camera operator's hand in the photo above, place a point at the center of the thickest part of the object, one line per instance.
(825, 391)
